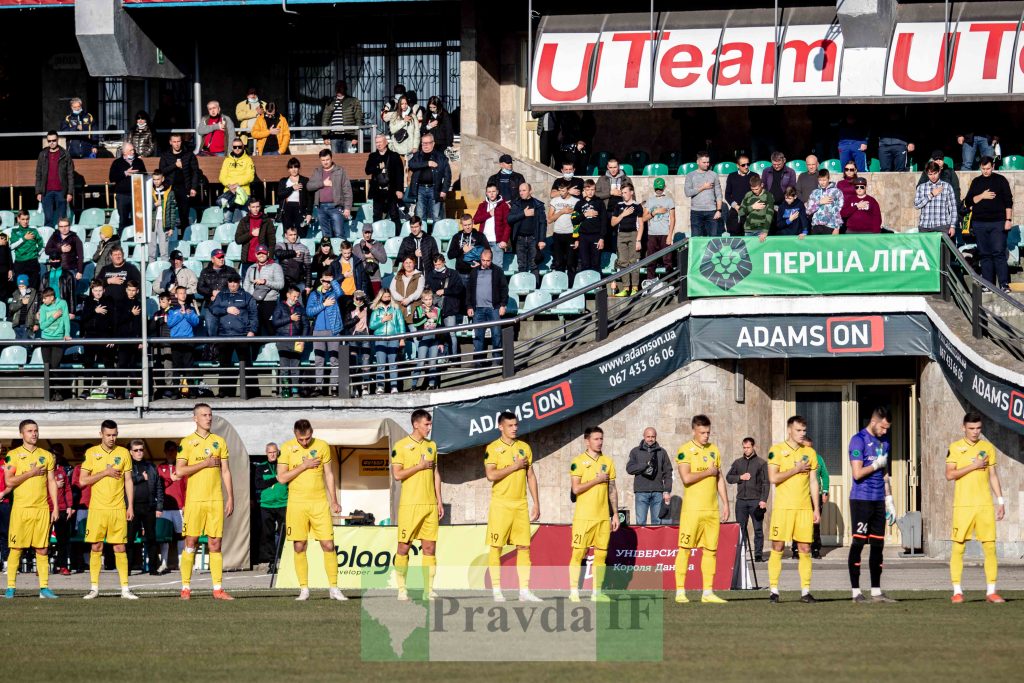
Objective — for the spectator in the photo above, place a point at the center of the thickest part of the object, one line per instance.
(371, 253)
(253, 231)
(213, 280)
(128, 322)
(465, 248)
(270, 131)
(141, 135)
(294, 198)
(948, 175)
(825, 206)
(426, 316)
(332, 195)
(807, 181)
(323, 260)
(273, 504)
(575, 183)
(431, 179)
(23, 308)
(705, 193)
(340, 113)
(386, 319)
(295, 260)
(547, 132)
(529, 232)
(777, 177)
(117, 274)
(236, 174)
(449, 296)
(406, 287)
(863, 214)
(247, 112)
(5, 510)
(214, 132)
(845, 184)
(750, 475)
(990, 201)
(652, 478)
(853, 144)
(26, 243)
(289, 320)
(561, 229)
(893, 145)
(492, 218)
(79, 121)
(386, 172)
(325, 315)
(974, 146)
(737, 185)
(54, 325)
(63, 528)
(660, 218)
(121, 171)
(591, 220)
(937, 203)
(161, 362)
(506, 180)
(350, 275)
(264, 280)
(237, 317)
(66, 251)
(357, 324)
(403, 127)
(790, 217)
(96, 321)
(81, 497)
(757, 208)
(174, 503)
(7, 279)
(55, 179)
(148, 503)
(182, 320)
(438, 123)
(418, 245)
(176, 275)
(626, 222)
(486, 296)
(393, 103)
(181, 170)
(609, 184)
(165, 214)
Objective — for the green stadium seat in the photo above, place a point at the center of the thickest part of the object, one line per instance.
(7, 219)
(35, 218)
(586, 278)
(626, 168)
(875, 166)
(444, 229)
(164, 530)
(383, 230)
(573, 306)
(798, 165)
(115, 218)
(536, 300)
(1014, 162)
(833, 165)
(723, 167)
(759, 166)
(225, 233)
(554, 282)
(638, 159)
(13, 357)
(601, 161)
(655, 169)
(7, 330)
(672, 159)
(949, 162)
(92, 217)
(688, 167)
(522, 283)
(212, 215)
(204, 250)
(392, 245)
(268, 356)
(155, 268)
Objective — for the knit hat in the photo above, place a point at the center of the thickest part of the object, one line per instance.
(23, 280)
(107, 231)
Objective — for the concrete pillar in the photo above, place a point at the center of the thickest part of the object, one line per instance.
(114, 45)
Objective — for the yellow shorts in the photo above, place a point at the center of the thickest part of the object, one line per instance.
(792, 525)
(699, 529)
(591, 532)
(979, 521)
(508, 524)
(301, 518)
(110, 526)
(203, 518)
(30, 528)
(417, 521)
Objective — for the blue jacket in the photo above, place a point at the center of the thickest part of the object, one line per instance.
(182, 322)
(282, 321)
(239, 325)
(325, 317)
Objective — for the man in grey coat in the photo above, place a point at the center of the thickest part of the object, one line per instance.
(264, 280)
(652, 478)
(705, 192)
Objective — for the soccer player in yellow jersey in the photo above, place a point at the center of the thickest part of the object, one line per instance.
(203, 460)
(971, 463)
(795, 506)
(509, 467)
(107, 469)
(705, 506)
(592, 474)
(414, 463)
(29, 471)
(305, 465)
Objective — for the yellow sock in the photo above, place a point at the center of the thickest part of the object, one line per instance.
(188, 558)
(774, 569)
(401, 569)
(599, 565)
(13, 560)
(121, 561)
(494, 567)
(523, 565)
(991, 563)
(302, 569)
(575, 565)
(682, 564)
(707, 568)
(804, 567)
(43, 570)
(429, 572)
(216, 569)
(95, 565)
(956, 563)
(331, 567)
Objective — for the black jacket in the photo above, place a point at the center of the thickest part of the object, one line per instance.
(660, 480)
(187, 176)
(427, 246)
(358, 274)
(499, 288)
(125, 270)
(149, 489)
(596, 227)
(387, 173)
(123, 183)
(453, 301)
(127, 325)
(211, 279)
(305, 198)
(442, 132)
(992, 209)
(95, 325)
(507, 184)
(801, 224)
(456, 253)
(755, 488)
(440, 178)
(535, 226)
(65, 169)
(737, 186)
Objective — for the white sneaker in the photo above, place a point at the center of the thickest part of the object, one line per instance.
(336, 594)
(498, 596)
(527, 596)
(128, 595)
(394, 390)
(574, 595)
(162, 568)
(91, 595)
(431, 595)
(403, 595)
(303, 595)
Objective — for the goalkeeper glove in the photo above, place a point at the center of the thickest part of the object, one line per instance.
(880, 462)
(890, 510)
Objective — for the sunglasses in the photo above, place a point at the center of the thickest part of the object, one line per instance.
(850, 170)
(235, 147)
(744, 165)
(138, 450)
(52, 142)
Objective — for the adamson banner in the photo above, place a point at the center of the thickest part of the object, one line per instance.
(997, 400)
(848, 264)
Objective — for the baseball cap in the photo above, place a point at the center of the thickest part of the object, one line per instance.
(217, 253)
(325, 241)
(23, 280)
(262, 249)
(659, 183)
(860, 181)
(176, 256)
(505, 159)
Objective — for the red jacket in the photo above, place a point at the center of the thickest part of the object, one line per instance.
(3, 482)
(861, 220)
(502, 231)
(174, 491)
(64, 497)
(85, 493)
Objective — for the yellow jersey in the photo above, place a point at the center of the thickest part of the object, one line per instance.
(795, 492)
(702, 496)
(205, 485)
(309, 486)
(108, 492)
(32, 493)
(592, 504)
(500, 454)
(972, 489)
(419, 488)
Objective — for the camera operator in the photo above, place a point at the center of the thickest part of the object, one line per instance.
(387, 176)
(372, 254)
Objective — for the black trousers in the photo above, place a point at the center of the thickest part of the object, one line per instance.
(52, 358)
(182, 357)
(63, 529)
(229, 376)
(751, 510)
(563, 256)
(93, 357)
(273, 526)
(387, 206)
(184, 202)
(144, 521)
(265, 311)
(129, 357)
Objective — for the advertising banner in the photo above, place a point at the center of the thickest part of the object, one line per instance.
(475, 423)
(848, 264)
(811, 336)
(993, 397)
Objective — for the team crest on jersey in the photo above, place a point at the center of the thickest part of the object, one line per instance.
(856, 453)
(180, 448)
(117, 460)
(42, 458)
(806, 458)
(981, 454)
(216, 444)
(430, 449)
(604, 468)
(312, 453)
(522, 452)
(394, 453)
(771, 455)
(681, 457)
(572, 468)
